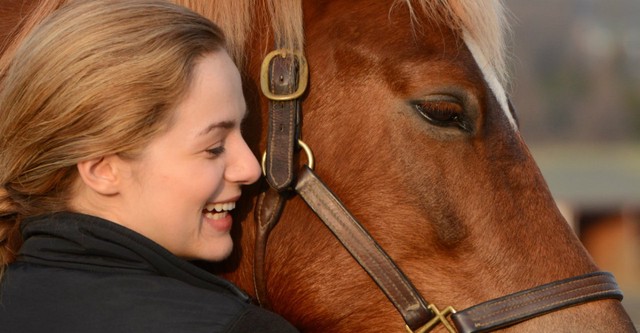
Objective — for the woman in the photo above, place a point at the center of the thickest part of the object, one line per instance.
(120, 158)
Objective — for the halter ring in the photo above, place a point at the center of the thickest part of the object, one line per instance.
(307, 151)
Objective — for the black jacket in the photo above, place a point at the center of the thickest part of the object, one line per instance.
(79, 273)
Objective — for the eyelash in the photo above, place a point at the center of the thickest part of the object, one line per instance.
(217, 151)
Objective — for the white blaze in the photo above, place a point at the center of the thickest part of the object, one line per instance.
(490, 76)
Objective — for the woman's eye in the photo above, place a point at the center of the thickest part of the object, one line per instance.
(216, 151)
(443, 113)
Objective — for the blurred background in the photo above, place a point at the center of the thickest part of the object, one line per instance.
(576, 89)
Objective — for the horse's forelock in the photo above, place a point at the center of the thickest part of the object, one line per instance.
(233, 17)
(239, 18)
(484, 21)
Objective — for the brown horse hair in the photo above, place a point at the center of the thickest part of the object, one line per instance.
(484, 21)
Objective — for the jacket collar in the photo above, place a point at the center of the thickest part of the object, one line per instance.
(84, 242)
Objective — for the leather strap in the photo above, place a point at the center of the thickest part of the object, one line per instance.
(283, 123)
(364, 249)
(283, 75)
(267, 214)
(523, 305)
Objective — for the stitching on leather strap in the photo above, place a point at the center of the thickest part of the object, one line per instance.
(364, 249)
(568, 301)
(536, 300)
(530, 303)
(527, 293)
(282, 115)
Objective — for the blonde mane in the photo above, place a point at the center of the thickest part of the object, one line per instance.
(484, 21)
(240, 18)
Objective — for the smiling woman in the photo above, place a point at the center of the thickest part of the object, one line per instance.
(133, 161)
(189, 218)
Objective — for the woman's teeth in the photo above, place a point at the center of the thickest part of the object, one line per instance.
(218, 210)
(219, 207)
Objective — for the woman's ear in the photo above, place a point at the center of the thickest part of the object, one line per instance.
(101, 174)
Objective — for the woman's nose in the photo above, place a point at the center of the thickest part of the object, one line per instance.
(244, 168)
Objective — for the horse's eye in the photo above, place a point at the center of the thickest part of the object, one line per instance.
(442, 112)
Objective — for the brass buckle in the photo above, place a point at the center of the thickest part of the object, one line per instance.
(307, 151)
(441, 317)
(303, 75)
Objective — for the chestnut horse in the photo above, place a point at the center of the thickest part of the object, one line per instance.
(406, 114)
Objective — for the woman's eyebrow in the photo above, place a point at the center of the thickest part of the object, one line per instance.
(223, 124)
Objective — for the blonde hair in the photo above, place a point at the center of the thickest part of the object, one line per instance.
(484, 20)
(241, 18)
(95, 78)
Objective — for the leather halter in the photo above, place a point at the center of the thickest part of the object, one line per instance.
(283, 81)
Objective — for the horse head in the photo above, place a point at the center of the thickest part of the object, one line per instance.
(411, 127)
